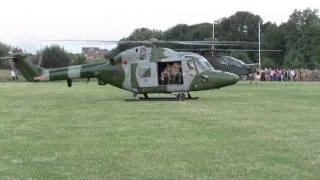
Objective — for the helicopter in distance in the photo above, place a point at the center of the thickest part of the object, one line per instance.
(222, 62)
(233, 65)
(230, 64)
(140, 70)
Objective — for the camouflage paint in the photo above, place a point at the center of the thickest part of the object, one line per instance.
(124, 73)
(213, 80)
(112, 74)
(27, 69)
(159, 89)
(134, 81)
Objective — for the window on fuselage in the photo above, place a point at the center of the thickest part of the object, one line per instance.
(224, 61)
(170, 73)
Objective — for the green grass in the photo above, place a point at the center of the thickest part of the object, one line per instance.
(264, 131)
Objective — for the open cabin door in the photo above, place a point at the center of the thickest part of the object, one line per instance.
(170, 73)
(144, 74)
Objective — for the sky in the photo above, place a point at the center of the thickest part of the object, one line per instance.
(25, 22)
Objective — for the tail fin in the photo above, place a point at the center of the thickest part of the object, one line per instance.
(27, 69)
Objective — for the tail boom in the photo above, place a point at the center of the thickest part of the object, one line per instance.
(70, 72)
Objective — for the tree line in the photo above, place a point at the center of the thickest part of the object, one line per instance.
(298, 40)
(52, 56)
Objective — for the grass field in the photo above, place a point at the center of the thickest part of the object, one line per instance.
(264, 131)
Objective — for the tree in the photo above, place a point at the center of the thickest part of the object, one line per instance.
(54, 56)
(199, 32)
(302, 34)
(112, 53)
(78, 59)
(140, 35)
(268, 63)
(299, 38)
(294, 59)
(272, 39)
(178, 33)
(242, 26)
(4, 51)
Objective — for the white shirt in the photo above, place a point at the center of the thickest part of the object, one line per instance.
(13, 73)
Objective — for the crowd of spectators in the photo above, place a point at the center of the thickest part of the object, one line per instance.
(277, 74)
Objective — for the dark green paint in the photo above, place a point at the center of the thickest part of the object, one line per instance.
(134, 81)
(58, 74)
(112, 74)
(115, 74)
(158, 89)
(213, 80)
(27, 69)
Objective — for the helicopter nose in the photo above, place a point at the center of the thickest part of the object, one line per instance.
(221, 79)
(214, 80)
(230, 78)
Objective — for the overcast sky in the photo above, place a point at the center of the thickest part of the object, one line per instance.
(29, 20)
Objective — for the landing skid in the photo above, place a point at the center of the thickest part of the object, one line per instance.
(161, 99)
(179, 97)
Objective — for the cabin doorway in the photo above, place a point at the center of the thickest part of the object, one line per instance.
(170, 73)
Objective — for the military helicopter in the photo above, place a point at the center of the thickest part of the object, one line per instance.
(231, 64)
(222, 62)
(140, 70)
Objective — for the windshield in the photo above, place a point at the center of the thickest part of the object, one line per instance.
(234, 61)
(204, 64)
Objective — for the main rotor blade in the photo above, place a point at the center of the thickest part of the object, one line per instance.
(6, 58)
(153, 41)
(97, 41)
(248, 50)
(211, 42)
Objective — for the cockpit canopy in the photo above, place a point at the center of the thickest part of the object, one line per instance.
(228, 60)
(201, 62)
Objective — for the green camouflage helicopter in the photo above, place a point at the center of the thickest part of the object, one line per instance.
(140, 70)
(228, 63)
(220, 61)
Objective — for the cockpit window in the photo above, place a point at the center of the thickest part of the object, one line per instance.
(201, 63)
(234, 61)
(204, 64)
(227, 60)
(224, 61)
(208, 65)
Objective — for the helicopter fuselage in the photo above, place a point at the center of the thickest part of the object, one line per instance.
(140, 70)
